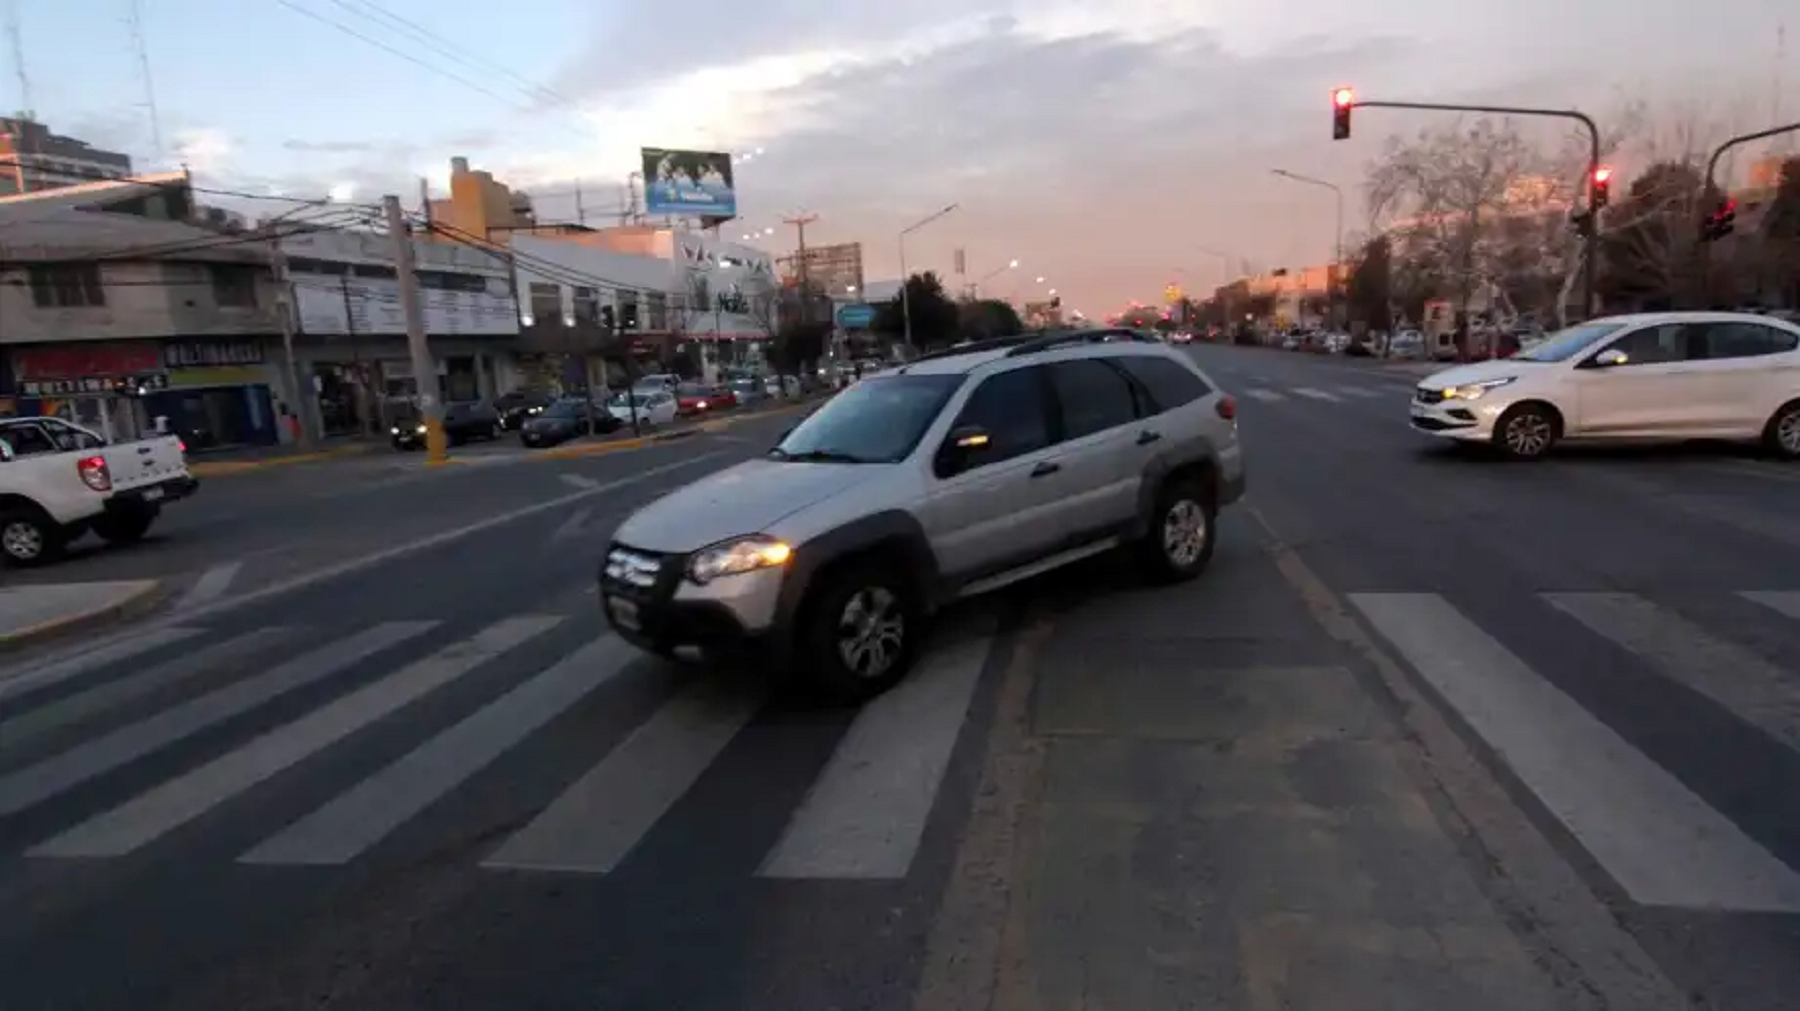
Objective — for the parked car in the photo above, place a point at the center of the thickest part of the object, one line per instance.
(957, 474)
(652, 409)
(464, 421)
(516, 407)
(566, 419)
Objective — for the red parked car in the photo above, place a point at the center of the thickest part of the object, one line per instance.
(692, 399)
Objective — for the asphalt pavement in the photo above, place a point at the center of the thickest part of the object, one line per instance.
(1433, 731)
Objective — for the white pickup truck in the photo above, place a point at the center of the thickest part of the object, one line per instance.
(58, 481)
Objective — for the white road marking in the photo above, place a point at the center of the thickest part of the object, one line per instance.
(1782, 601)
(211, 585)
(865, 814)
(597, 822)
(337, 832)
(63, 668)
(1662, 844)
(155, 813)
(112, 693)
(1309, 392)
(1266, 396)
(574, 525)
(579, 481)
(1363, 392)
(36, 783)
(1748, 685)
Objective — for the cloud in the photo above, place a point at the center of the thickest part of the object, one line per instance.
(329, 146)
(208, 150)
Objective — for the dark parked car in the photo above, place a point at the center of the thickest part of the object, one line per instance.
(464, 421)
(520, 406)
(564, 420)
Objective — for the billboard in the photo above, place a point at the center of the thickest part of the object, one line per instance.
(855, 316)
(689, 184)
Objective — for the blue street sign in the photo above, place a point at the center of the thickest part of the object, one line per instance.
(856, 316)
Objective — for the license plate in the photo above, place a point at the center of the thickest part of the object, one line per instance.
(624, 613)
(152, 494)
(1420, 412)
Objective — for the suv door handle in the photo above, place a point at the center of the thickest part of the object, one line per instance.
(1146, 437)
(1045, 468)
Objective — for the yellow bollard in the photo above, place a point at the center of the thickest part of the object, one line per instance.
(437, 446)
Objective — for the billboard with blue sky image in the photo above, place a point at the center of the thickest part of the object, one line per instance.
(681, 183)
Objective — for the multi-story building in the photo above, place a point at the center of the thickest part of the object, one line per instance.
(33, 159)
(836, 269)
(117, 308)
(350, 326)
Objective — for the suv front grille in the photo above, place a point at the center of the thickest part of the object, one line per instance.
(636, 569)
(1425, 396)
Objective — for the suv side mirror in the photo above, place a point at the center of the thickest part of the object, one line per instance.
(961, 448)
(1609, 358)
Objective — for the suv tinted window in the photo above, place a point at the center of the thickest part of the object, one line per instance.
(1169, 385)
(1092, 397)
(1013, 409)
(1742, 340)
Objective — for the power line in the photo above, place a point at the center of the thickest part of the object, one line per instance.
(408, 57)
(369, 10)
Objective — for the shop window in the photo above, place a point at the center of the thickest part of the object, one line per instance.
(587, 306)
(66, 285)
(233, 287)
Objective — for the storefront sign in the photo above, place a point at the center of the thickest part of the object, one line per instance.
(210, 354)
(83, 360)
(147, 382)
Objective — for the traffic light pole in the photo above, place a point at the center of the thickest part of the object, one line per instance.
(1591, 240)
(1712, 167)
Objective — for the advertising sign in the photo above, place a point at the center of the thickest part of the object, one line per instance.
(688, 183)
(331, 306)
(856, 316)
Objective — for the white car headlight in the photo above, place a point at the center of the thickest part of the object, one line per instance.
(1475, 391)
(420, 430)
(745, 554)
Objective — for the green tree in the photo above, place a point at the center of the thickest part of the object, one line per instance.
(798, 345)
(934, 315)
(983, 318)
(1781, 230)
(1370, 288)
(1652, 261)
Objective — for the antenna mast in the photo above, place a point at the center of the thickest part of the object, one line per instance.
(17, 41)
(135, 19)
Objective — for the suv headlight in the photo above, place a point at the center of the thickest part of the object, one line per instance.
(743, 554)
(1475, 391)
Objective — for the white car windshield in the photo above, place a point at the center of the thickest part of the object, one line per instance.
(1566, 344)
(879, 420)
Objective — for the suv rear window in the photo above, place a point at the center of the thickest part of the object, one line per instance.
(879, 420)
(1169, 384)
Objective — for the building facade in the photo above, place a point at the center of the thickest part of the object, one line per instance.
(33, 159)
(117, 311)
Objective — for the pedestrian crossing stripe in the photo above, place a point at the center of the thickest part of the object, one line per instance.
(865, 812)
(1334, 395)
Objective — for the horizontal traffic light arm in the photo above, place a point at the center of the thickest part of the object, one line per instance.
(1712, 163)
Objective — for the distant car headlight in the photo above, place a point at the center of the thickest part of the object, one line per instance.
(395, 430)
(1475, 391)
(420, 430)
(745, 554)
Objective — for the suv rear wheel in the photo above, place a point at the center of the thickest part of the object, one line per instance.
(1183, 528)
(861, 632)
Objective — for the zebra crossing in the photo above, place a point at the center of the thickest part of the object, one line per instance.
(1647, 827)
(1330, 394)
(72, 729)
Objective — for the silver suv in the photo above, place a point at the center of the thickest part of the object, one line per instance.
(960, 473)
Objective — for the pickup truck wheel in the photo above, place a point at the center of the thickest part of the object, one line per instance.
(1183, 530)
(860, 634)
(28, 538)
(125, 526)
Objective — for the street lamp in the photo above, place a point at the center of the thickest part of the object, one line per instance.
(905, 296)
(975, 289)
(1338, 263)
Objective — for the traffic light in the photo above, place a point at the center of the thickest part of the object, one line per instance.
(1342, 101)
(1602, 184)
(1721, 222)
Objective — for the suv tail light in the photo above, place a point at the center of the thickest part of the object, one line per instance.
(94, 472)
(181, 444)
(1227, 408)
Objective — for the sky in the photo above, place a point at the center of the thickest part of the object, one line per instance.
(1111, 146)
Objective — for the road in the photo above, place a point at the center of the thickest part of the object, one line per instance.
(1433, 731)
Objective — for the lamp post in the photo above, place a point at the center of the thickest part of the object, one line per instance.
(975, 289)
(1338, 261)
(905, 296)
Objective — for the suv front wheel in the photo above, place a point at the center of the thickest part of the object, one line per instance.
(1183, 528)
(861, 633)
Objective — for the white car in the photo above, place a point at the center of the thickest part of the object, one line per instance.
(656, 408)
(1656, 376)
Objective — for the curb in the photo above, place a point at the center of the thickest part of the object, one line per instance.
(639, 442)
(223, 468)
(143, 601)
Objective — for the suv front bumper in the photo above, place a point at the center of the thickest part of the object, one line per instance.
(649, 602)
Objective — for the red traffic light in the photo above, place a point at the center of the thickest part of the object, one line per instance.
(1602, 175)
(1343, 98)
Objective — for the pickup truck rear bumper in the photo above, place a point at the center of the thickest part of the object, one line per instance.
(153, 494)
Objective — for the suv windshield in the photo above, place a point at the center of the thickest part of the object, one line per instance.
(879, 420)
(1566, 344)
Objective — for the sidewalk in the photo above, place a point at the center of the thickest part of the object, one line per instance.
(218, 463)
(30, 614)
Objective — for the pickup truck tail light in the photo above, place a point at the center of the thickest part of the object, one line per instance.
(1227, 408)
(94, 472)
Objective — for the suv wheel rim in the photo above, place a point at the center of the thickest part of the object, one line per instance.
(1184, 532)
(871, 632)
(22, 540)
(1528, 434)
(1787, 433)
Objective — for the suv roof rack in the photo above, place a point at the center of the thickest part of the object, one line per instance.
(1051, 341)
(971, 347)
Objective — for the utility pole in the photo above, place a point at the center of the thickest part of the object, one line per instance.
(425, 202)
(284, 300)
(431, 407)
(580, 211)
(800, 221)
(363, 426)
